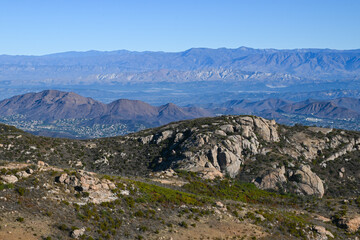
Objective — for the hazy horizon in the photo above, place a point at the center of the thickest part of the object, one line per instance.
(184, 50)
(39, 28)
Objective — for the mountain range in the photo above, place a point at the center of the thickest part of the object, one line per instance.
(190, 65)
(340, 108)
(197, 75)
(51, 105)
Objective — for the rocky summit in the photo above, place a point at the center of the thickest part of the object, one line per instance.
(227, 177)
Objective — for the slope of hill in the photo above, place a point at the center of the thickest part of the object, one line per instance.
(239, 177)
(52, 105)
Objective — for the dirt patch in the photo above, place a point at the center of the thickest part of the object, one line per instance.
(10, 166)
(173, 182)
(215, 229)
(30, 229)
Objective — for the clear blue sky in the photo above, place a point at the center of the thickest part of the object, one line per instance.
(47, 26)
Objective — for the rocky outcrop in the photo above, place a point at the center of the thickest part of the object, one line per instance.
(146, 139)
(78, 233)
(218, 152)
(21, 170)
(231, 142)
(163, 136)
(351, 146)
(99, 189)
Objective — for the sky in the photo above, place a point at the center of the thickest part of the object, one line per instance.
(38, 27)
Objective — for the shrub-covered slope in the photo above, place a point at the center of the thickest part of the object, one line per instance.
(303, 160)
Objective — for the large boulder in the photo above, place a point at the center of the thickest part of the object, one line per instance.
(272, 179)
(323, 234)
(78, 233)
(9, 178)
(308, 182)
(350, 224)
(228, 162)
(303, 180)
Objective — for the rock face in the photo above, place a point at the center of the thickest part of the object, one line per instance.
(309, 183)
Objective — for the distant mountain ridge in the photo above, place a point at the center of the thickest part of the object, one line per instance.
(340, 108)
(196, 64)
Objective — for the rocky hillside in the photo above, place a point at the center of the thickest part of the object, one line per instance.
(290, 182)
(246, 147)
(304, 160)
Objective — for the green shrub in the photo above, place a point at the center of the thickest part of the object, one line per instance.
(183, 224)
(139, 213)
(153, 193)
(6, 186)
(143, 228)
(63, 227)
(21, 191)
